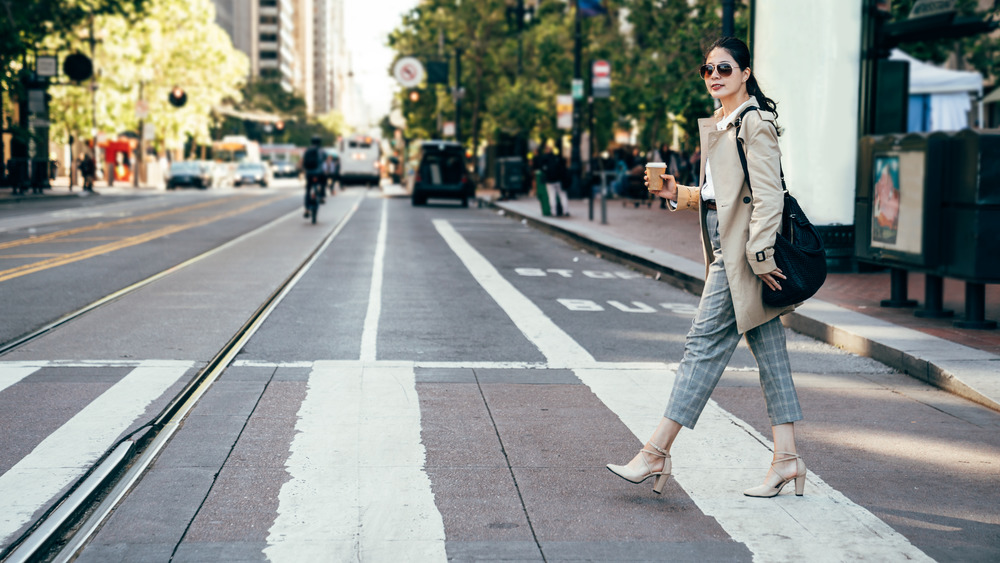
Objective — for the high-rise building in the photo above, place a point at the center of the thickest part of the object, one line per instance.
(324, 22)
(277, 42)
(240, 19)
(299, 43)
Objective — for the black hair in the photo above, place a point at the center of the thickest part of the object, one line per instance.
(741, 53)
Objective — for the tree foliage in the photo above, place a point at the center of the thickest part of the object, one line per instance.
(980, 51)
(175, 43)
(297, 127)
(654, 47)
(24, 25)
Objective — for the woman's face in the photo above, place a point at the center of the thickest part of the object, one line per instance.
(720, 86)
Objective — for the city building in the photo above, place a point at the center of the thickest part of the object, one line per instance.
(305, 52)
(300, 43)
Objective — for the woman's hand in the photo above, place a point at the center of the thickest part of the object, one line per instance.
(771, 279)
(669, 190)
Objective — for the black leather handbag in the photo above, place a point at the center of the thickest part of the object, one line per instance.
(798, 247)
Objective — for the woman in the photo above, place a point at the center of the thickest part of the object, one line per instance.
(738, 230)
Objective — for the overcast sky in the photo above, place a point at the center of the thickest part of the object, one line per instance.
(367, 23)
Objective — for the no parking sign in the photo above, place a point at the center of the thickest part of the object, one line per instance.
(408, 71)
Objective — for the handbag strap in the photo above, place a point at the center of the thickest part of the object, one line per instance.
(785, 223)
(743, 154)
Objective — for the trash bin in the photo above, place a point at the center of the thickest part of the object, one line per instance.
(510, 176)
(971, 207)
(897, 213)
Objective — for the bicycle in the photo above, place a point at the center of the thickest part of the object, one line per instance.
(312, 197)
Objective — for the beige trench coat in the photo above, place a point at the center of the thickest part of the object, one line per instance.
(747, 223)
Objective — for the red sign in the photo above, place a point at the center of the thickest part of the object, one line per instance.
(602, 69)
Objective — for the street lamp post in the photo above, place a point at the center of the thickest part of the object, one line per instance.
(728, 26)
(574, 167)
(93, 96)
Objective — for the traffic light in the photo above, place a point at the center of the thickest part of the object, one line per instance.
(78, 67)
(414, 95)
(178, 97)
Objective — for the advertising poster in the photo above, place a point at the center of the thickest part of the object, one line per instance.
(885, 205)
(898, 201)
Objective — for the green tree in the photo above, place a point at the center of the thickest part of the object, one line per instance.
(267, 96)
(155, 54)
(982, 52)
(654, 47)
(25, 25)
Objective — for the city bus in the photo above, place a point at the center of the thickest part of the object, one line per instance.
(359, 160)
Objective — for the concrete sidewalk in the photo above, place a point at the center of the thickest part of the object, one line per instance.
(845, 313)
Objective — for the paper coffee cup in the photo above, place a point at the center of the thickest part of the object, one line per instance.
(653, 171)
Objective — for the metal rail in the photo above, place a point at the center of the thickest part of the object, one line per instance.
(66, 528)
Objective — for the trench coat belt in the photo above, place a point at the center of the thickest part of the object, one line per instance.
(710, 204)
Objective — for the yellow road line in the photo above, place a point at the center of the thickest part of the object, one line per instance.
(7, 256)
(64, 259)
(118, 222)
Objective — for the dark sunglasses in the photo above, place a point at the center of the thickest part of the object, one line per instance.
(725, 69)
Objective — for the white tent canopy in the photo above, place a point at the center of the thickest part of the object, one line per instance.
(926, 78)
(949, 91)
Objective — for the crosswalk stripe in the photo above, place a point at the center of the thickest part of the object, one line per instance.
(11, 373)
(725, 455)
(369, 334)
(716, 461)
(66, 453)
(559, 349)
(358, 491)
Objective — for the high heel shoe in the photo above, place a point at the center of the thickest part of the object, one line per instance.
(633, 477)
(774, 485)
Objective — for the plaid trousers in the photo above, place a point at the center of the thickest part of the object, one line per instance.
(713, 339)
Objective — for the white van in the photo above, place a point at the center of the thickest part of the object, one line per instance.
(359, 160)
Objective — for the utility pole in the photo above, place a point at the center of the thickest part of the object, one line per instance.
(574, 167)
(728, 25)
(139, 157)
(93, 96)
(458, 94)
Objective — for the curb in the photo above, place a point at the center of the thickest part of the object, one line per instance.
(958, 369)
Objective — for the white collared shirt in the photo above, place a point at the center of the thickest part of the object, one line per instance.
(708, 190)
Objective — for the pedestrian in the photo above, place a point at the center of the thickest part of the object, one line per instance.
(696, 163)
(312, 166)
(330, 169)
(554, 171)
(88, 169)
(738, 230)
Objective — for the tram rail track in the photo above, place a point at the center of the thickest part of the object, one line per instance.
(67, 526)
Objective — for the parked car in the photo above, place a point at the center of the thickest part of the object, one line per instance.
(189, 173)
(252, 173)
(441, 173)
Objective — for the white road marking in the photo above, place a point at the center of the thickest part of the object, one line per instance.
(369, 335)
(725, 455)
(559, 349)
(715, 462)
(12, 372)
(69, 451)
(358, 490)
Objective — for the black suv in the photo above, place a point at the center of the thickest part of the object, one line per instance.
(441, 173)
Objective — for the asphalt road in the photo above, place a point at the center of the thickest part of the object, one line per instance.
(439, 383)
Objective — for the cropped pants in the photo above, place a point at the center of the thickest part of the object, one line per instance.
(710, 345)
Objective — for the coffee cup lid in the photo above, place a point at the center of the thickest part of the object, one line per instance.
(656, 165)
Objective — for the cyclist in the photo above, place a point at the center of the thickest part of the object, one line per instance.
(312, 165)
